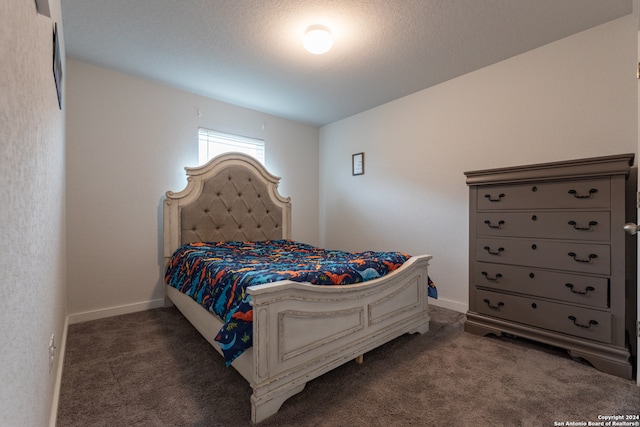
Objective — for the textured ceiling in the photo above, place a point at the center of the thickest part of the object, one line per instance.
(249, 52)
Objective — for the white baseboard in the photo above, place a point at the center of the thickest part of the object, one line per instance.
(115, 311)
(85, 317)
(53, 417)
(451, 305)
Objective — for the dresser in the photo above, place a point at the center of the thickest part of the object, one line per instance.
(549, 260)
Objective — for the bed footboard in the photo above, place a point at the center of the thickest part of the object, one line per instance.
(302, 331)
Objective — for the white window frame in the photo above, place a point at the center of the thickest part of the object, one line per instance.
(212, 143)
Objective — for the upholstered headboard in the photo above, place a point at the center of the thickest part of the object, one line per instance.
(231, 198)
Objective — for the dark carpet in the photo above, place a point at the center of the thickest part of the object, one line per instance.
(153, 369)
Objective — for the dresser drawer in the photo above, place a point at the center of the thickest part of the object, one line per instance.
(593, 226)
(573, 288)
(576, 194)
(588, 258)
(577, 321)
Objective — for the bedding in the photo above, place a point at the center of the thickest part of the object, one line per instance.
(216, 275)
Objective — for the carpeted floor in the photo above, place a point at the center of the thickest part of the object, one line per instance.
(153, 369)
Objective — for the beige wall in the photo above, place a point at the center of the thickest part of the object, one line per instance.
(570, 99)
(128, 142)
(32, 226)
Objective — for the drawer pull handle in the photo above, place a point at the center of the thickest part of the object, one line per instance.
(576, 259)
(500, 196)
(586, 290)
(494, 307)
(575, 194)
(579, 228)
(493, 279)
(488, 249)
(498, 226)
(575, 322)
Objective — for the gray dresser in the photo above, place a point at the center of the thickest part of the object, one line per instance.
(549, 259)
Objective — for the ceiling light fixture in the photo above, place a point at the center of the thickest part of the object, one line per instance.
(318, 39)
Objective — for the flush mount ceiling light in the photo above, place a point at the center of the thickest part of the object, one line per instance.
(318, 39)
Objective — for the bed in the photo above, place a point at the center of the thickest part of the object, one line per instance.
(299, 330)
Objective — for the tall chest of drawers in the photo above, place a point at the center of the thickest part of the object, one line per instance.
(549, 260)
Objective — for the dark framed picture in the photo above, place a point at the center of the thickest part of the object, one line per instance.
(57, 64)
(357, 164)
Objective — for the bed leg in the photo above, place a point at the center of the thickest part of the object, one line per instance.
(360, 359)
(265, 406)
(421, 329)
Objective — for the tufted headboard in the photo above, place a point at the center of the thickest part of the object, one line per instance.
(231, 198)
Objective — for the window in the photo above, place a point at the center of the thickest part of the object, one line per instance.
(212, 143)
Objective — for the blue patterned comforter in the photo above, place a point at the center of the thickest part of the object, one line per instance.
(216, 275)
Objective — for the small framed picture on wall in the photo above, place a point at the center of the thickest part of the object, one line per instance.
(57, 64)
(357, 164)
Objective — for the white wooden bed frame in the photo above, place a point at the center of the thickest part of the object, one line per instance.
(300, 331)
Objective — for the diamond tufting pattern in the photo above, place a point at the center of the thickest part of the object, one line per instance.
(234, 206)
